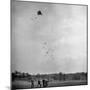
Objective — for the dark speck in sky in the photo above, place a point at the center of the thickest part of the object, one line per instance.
(39, 12)
(47, 52)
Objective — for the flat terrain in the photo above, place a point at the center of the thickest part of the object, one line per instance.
(21, 84)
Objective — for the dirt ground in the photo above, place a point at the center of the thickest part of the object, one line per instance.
(20, 84)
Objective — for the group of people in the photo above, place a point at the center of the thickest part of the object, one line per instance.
(40, 83)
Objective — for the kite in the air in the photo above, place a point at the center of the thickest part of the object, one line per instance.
(39, 12)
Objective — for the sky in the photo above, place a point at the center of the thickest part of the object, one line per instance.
(54, 41)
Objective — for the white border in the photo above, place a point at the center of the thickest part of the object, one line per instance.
(5, 43)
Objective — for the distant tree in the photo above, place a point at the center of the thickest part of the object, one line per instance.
(13, 76)
(23, 75)
(38, 76)
(28, 76)
(61, 77)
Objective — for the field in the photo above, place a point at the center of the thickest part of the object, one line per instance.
(21, 84)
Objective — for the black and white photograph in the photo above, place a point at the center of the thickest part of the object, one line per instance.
(48, 44)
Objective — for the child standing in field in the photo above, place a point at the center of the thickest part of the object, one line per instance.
(45, 83)
(32, 84)
(39, 83)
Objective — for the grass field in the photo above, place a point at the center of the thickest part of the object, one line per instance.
(21, 84)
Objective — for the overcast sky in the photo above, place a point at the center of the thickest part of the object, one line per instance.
(52, 42)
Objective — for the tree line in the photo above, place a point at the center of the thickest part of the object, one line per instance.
(54, 76)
